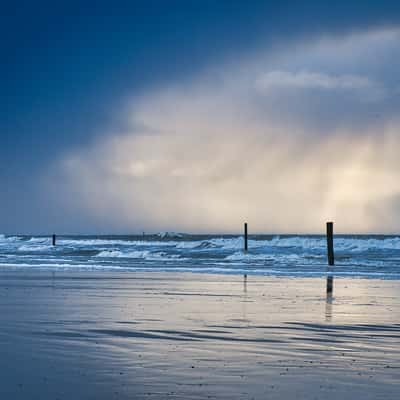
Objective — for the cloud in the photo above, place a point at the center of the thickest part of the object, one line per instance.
(312, 80)
(208, 154)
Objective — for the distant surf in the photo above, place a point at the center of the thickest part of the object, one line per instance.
(374, 256)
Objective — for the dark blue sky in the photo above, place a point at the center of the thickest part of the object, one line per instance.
(68, 67)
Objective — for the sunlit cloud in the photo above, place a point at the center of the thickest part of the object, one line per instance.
(312, 80)
(283, 140)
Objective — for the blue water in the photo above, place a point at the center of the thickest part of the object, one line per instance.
(368, 256)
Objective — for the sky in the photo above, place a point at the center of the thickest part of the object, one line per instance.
(194, 116)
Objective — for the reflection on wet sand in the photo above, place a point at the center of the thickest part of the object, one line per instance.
(190, 336)
(329, 284)
(329, 298)
(328, 307)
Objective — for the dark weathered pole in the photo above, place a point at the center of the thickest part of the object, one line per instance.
(245, 237)
(329, 239)
(54, 240)
(331, 256)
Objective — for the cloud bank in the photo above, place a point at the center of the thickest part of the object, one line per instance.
(284, 140)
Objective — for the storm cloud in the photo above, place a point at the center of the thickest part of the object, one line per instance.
(285, 139)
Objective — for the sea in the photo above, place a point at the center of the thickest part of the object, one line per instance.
(365, 256)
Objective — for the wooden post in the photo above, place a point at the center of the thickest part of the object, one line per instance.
(331, 256)
(245, 237)
(329, 239)
(54, 240)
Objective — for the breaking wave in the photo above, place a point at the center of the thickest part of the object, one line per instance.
(292, 255)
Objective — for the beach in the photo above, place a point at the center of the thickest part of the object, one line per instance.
(154, 335)
(200, 200)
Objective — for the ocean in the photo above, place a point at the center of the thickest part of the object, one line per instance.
(368, 256)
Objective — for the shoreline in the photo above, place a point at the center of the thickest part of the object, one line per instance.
(30, 269)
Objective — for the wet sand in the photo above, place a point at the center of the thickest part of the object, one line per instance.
(126, 335)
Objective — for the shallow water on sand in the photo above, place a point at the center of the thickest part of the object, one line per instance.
(194, 336)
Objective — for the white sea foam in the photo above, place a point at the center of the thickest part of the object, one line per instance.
(65, 266)
(94, 242)
(192, 244)
(240, 256)
(288, 255)
(248, 257)
(311, 243)
(8, 239)
(121, 254)
(114, 242)
(28, 248)
(226, 244)
(349, 244)
(139, 254)
(39, 240)
(174, 235)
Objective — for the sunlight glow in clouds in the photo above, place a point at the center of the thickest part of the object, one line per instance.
(286, 141)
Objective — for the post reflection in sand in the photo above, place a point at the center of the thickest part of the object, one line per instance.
(329, 298)
(244, 305)
(328, 307)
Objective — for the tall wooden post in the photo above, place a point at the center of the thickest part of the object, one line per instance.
(54, 240)
(329, 239)
(245, 237)
(331, 256)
